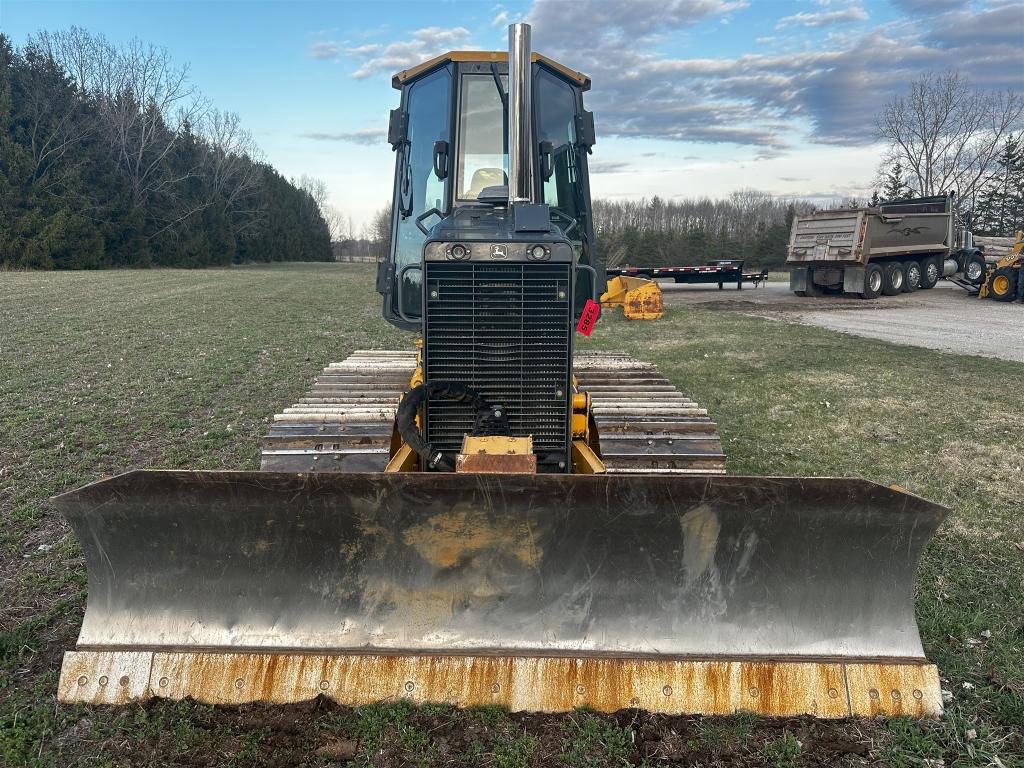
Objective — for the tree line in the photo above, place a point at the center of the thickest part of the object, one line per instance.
(109, 158)
(749, 224)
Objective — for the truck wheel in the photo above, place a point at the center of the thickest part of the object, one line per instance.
(873, 279)
(974, 269)
(930, 273)
(912, 271)
(893, 278)
(1002, 286)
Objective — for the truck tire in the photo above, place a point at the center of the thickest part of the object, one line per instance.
(913, 274)
(873, 280)
(893, 278)
(1002, 285)
(931, 271)
(975, 268)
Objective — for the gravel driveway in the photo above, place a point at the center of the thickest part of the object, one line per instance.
(944, 318)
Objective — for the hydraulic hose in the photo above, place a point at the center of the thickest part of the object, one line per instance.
(489, 419)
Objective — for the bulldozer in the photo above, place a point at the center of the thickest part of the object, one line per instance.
(496, 517)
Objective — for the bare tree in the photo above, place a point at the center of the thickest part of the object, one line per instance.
(230, 167)
(144, 100)
(379, 231)
(946, 134)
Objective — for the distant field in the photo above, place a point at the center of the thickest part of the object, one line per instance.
(104, 371)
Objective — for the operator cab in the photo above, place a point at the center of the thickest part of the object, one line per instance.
(452, 172)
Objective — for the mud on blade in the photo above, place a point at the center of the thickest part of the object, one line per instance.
(244, 586)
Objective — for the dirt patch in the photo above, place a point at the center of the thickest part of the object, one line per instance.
(399, 735)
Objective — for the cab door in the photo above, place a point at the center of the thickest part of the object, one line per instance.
(420, 134)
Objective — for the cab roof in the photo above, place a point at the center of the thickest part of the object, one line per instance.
(486, 57)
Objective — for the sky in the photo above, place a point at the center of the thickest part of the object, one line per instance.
(691, 97)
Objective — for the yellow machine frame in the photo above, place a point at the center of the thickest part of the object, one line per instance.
(998, 286)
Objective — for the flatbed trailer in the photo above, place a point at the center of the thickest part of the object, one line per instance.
(720, 271)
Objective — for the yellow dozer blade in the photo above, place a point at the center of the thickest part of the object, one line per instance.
(703, 594)
(639, 298)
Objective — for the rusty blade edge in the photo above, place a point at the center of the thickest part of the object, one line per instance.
(543, 685)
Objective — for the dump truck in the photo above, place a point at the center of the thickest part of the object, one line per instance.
(892, 248)
(495, 516)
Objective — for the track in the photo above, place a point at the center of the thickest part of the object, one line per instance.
(344, 423)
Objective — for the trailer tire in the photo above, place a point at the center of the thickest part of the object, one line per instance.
(1002, 285)
(930, 273)
(912, 273)
(893, 278)
(873, 279)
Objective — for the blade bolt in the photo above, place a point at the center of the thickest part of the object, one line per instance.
(896, 695)
(164, 682)
(833, 693)
(873, 693)
(123, 682)
(753, 693)
(918, 695)
(239, 683)
(410, 686)
(324, 685)
(667, 690)
(580, 690)
(103, 680)
(83, 680)
(495, 688)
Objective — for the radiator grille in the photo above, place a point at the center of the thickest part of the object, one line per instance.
(504, 329)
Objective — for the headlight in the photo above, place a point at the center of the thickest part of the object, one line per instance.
(538, 252)
(458, 252)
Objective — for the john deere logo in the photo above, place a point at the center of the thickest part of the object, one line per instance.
(498, 252)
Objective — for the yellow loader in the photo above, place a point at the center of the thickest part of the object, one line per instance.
(495, 518)
(1004, 280)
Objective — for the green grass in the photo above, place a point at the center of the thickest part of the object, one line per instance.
(101, 372)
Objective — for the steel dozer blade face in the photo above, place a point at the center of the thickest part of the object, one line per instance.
(538, 592)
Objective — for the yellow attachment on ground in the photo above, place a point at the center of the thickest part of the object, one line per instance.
(639, 298)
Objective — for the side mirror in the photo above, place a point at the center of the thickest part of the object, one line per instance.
(585, 133)
(441, 159)
(398, 128)
(547, 165)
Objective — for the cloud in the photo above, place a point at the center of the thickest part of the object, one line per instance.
(323, 49)
(366, 136)
(824, 18)
(828, 93)
(421, 45)
(928, 7)
(500, 19)
(608, 166)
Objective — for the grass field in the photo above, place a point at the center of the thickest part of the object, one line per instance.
(101, 372)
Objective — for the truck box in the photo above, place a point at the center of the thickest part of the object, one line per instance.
(911, 243)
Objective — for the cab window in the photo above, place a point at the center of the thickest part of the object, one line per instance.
(482, 144)
(556, 123)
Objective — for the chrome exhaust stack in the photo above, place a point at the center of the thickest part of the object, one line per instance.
(520, 110)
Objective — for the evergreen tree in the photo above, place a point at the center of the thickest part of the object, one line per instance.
(1000, 207)
(895, 187)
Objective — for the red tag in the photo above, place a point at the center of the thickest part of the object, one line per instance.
(588, 318)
